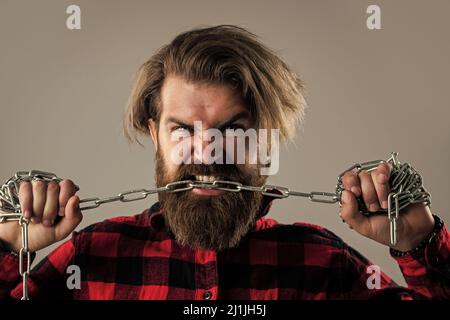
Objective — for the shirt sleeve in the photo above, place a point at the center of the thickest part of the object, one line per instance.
(47, 280)
(9, 273)
(427, 271)
(364, 280)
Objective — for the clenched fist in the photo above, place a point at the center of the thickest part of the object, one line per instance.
(53, 210)
(415, 221)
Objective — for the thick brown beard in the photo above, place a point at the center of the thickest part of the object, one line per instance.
(212, 223)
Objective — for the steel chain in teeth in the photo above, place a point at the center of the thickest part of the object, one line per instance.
(406, 187)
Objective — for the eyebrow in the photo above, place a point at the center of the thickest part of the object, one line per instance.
(237, 116)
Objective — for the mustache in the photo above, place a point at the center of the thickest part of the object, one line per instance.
(226, 171)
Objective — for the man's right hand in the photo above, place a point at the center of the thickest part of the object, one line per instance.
(42, 202)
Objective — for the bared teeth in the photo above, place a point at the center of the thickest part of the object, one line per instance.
(206, 178)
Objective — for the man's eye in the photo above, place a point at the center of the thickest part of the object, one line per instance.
(183, 129)
(234, 127)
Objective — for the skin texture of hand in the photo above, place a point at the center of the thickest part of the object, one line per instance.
(53, 210)
(415, 221)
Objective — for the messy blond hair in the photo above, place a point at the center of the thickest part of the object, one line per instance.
(223, 54)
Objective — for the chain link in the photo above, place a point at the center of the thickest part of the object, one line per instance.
(24, 254)
(405, 188)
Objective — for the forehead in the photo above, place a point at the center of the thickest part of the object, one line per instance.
(199, 101)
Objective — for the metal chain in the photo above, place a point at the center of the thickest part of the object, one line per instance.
(406, 187)
(9, 203)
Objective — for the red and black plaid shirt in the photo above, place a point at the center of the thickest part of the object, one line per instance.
(134, 257)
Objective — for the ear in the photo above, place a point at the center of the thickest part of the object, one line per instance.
(153, 128)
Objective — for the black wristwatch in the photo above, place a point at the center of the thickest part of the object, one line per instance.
(438, 224)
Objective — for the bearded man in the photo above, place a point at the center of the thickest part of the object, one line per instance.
(208, 243)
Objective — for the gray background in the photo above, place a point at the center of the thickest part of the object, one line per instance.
(62, 93)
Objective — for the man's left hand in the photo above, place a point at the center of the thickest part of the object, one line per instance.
(415, 221)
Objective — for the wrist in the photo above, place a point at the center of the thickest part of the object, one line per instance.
(413, 242)
(438, 224)
(414, 231)
(8, 245)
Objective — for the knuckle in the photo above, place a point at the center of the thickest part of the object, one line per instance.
(345, 175)
(24, 185)
(374, 175)
(52, 187)
(384, 168)
(67, 183)
(68, 186)
(348, 178)
(384, 165)
(380, 179)
(39, 185)
(363, 174)
(37, 217)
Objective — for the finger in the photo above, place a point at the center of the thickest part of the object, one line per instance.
(351, 215)
(71, 219)
(368, 192)
(39, 197)
(26, 198)
(380, 178)
(67, 190)
(385, 168)
(51, 204)
(351, 182)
